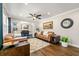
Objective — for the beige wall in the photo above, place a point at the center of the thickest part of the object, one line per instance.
(72, 32)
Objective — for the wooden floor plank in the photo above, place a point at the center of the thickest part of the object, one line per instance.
(56, 50)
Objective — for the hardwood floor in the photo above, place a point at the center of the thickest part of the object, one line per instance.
(56, 50)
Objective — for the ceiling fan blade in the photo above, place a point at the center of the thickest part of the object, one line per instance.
(39, 18)
(30, 14)
(39, 15)
(34, 14)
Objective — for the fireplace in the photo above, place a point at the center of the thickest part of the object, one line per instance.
(24, 33)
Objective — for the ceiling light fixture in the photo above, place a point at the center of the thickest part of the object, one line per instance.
(34, 18)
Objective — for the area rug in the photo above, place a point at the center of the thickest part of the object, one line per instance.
(36, 44)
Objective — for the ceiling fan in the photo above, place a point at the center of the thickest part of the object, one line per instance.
(35, 16)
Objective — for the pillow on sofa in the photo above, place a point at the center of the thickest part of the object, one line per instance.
(51, 34)
(45, 33)
(38, 33)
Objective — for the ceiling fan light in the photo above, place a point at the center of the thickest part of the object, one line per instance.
(34, 18)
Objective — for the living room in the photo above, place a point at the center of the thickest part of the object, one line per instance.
(43, 26)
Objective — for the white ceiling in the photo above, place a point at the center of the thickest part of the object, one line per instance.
(21, 11)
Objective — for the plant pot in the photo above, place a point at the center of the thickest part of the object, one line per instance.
(64, 44)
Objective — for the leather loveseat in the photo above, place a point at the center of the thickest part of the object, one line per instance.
(47, 37)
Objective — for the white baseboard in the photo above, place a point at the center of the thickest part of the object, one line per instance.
(74, 45)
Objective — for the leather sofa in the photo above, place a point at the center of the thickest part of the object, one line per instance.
(47, 37)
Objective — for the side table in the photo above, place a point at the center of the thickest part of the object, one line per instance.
(55, 39)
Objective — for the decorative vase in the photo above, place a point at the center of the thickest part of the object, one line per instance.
(64, 44)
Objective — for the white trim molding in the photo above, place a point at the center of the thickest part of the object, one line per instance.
(74, 45)
(67, 12)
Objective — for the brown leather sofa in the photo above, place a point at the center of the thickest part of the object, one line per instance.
(47, 37)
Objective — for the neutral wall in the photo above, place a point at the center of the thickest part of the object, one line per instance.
(72, 32)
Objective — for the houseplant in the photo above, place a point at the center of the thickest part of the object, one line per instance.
(64, 41)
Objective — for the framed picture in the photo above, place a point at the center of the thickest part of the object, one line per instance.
(24, 26)
(48, 25)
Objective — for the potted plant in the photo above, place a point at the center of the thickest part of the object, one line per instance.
(64, 41)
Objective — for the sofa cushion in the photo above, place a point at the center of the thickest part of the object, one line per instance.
(45, 33)
(38, 33)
